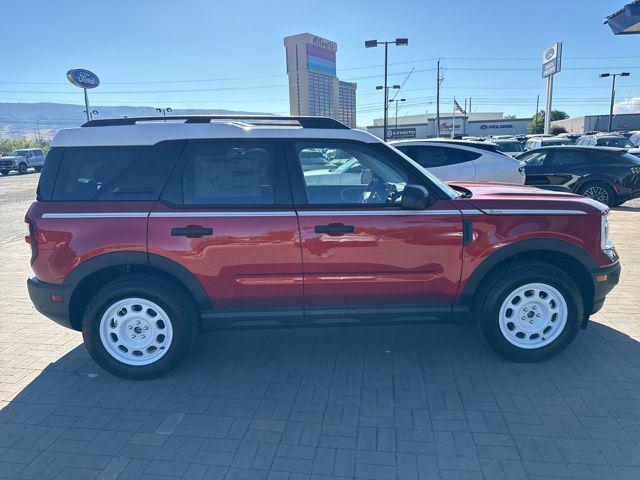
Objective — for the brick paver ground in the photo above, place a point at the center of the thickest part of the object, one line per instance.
(384, 402)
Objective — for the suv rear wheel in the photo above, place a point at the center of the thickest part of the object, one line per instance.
(530, 311)
(137, 327)
(599, 191)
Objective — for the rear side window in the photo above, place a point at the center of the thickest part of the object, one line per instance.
(430, 157)
(114, 173)
(568, 158)
(230, 173)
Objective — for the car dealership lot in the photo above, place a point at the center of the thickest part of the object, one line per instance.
(405, 401)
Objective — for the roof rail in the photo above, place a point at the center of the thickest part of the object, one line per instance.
(271, 120)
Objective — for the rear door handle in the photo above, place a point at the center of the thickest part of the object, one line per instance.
(334, 229)
(191, 231)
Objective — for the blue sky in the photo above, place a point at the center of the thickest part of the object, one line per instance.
(221, 54)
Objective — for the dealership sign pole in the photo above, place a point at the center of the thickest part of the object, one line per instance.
(551, 63)
(84, 79)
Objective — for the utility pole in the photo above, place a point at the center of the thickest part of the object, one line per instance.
(438, 99)
(535, 119)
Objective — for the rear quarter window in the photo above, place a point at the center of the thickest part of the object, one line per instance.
(49, 173)
(437, 156)
(114, 173)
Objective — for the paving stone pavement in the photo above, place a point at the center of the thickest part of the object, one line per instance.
(383, 402)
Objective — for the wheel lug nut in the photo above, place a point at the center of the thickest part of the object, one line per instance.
(142, 336)
(146, 328)
(133, 335)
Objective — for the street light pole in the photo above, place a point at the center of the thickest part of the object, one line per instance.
(386, 92)
(613, 92)
(397, 102)
(400, 42)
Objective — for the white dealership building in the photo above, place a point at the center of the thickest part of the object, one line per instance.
(477, 124)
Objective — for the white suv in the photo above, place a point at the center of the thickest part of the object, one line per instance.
(460, 160)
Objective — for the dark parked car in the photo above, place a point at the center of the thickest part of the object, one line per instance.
(609, 175)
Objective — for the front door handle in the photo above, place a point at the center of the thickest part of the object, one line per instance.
(334, 229)
(191, 231)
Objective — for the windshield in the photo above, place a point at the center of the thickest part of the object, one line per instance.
(509, 147)
(615, 142)
(556, 141)
(18, 153)
(450, 192)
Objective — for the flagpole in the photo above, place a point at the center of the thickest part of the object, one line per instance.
(453, 121)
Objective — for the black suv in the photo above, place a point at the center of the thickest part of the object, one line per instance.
(609, 175)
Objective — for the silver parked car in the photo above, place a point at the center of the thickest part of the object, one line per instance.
(21, 160)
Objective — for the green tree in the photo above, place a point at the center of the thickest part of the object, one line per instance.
(537, 123)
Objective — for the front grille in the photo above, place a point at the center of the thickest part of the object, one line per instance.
(5, 163)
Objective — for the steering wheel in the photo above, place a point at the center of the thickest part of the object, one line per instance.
(378, 191)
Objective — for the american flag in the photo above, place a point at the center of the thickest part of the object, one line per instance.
(458, 107)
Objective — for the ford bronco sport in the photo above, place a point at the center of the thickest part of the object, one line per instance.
(146, 232)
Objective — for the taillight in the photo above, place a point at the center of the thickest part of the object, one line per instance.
(32, 239)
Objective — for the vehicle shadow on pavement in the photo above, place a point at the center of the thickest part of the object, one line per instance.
(333, 400)
(626, 209)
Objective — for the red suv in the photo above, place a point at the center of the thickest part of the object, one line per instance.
(146, 232)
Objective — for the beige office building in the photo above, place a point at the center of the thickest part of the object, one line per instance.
(314, 88)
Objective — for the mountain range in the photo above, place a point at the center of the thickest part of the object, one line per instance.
(34, 120)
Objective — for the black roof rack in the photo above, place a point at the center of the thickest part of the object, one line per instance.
(272, 120)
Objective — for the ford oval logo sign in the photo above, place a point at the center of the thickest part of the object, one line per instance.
(83, 78)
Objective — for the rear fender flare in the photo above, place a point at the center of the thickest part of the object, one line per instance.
(158, 262)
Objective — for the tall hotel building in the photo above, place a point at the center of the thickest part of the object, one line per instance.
(314, 88)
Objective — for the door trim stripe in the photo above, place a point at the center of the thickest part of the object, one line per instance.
(97, 215)
(358, 213)
(222, 214)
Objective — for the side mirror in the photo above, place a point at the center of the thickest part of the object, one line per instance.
(414, 197)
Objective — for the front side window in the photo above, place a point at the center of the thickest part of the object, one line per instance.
(534, 159)
(359, 175)
(229, 173)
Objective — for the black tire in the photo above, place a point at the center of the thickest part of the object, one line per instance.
(4, 172)
(600, 191)
(22, 168)
(168, 297)
(506, 280)
(37, 169)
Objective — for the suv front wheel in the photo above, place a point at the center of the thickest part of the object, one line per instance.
(530, 311)
(137, 327)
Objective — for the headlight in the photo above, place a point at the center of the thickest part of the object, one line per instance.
(605, 243)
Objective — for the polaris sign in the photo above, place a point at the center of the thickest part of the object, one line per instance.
(485, 126)
(83, 78)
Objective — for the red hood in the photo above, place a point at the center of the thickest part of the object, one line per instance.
(508, 196)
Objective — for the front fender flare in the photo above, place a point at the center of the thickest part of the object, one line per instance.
(524, 246)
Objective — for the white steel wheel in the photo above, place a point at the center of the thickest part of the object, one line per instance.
(533, 315)
(136, 331)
